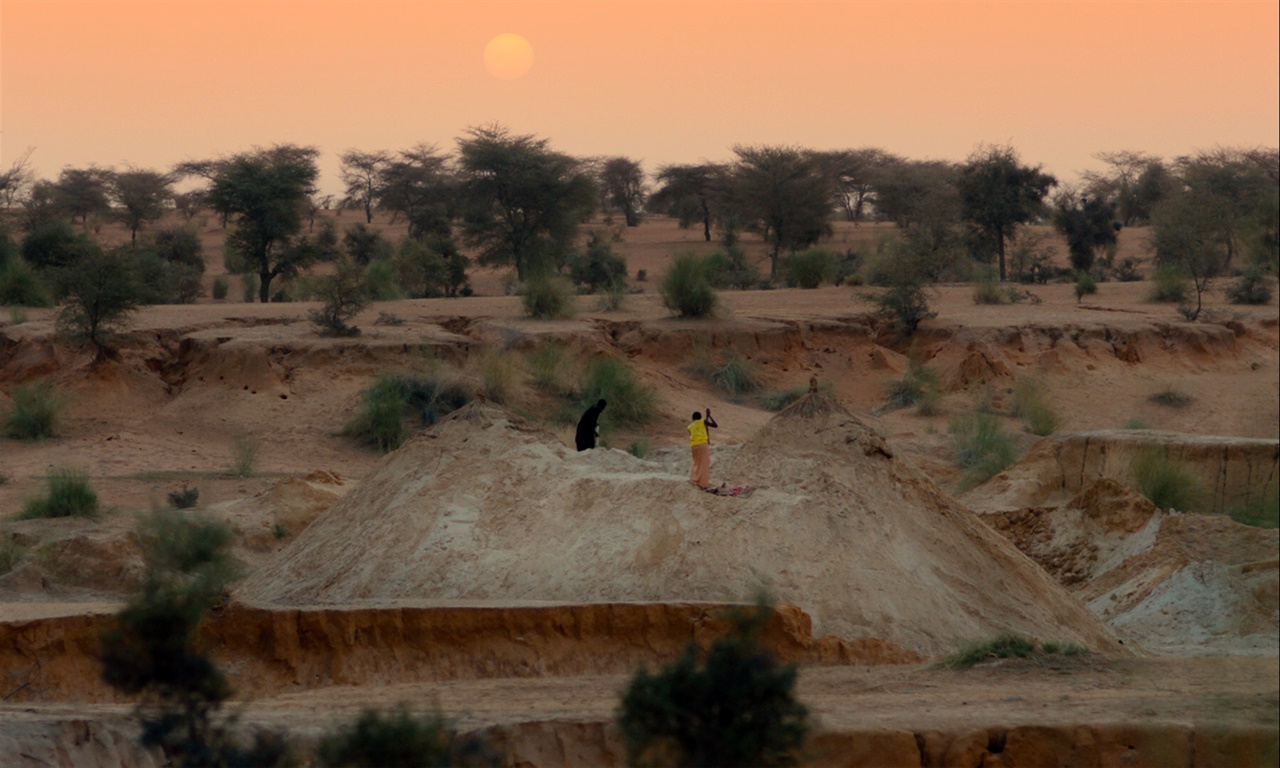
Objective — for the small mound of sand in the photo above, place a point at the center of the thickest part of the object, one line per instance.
(483, 506)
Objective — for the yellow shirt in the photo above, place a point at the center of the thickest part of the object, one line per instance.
(698, 433)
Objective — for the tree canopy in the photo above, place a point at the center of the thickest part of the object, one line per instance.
(782, 193)
(997, 193)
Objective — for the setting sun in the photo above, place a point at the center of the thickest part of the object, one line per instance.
(508, 57)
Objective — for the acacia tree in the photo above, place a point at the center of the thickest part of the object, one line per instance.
(100, 292)
(689, 192)
(622, 180)
(522, 201)
(1089, 225)
(782, 193)
(141, 196)
(418, 183)
(266, 191)
(852, 173)
(17, 178)
(363, 175)
(83, 192)
(997, 194)
(1135, 183)
(1236, 190)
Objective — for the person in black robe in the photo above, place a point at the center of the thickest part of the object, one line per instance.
(589, 427)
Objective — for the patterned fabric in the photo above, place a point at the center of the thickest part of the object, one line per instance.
(700, 475)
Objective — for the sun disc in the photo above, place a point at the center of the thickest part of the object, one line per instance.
(508, 56)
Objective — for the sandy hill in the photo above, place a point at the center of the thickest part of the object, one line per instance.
(487, 507)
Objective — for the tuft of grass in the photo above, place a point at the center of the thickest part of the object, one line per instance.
(981, 447)
(219, 288)
(613, 296)
(1002, 647)
(547, 363)
(548, 297)
(379, 421)
(499, 370)
(630, 402)
(17, 315)
(1167, 482)
(36, 407)
(809, 268)
(1171, 398)
(388, 318)
(69, 495)
(279, 531)
(184, 499)
(737, 376)
(244, 453)
(1031, 403)
(986, 288)
(639, 448)
(686, 287)
(1252, 287)
(919, 386)
(1169, 285)
(1136, 422)
(1085, 286)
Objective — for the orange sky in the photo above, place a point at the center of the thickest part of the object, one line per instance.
(154, 83)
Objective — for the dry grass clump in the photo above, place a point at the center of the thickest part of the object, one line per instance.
(812, 405)
(1031, 403)
(1171, 398)
(1006, 646)
(1167, 482)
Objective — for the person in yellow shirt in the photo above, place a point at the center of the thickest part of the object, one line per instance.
(700, 445)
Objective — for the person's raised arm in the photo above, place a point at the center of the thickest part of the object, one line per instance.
(710, 421)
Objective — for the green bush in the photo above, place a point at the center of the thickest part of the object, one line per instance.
(547, 363)
(184, 499)
(1085, 286)
(381, 282)
(737, 376)
(809, 268)
(1252, 287)
(220, 287)
(1169, 285)
(498, 371)
(434, 396)
(547, 297)
(732, 705)
(639, 447)
(919, 386)
(151, 650)
(1167, 482)
(906, 305)
(249, 282)
(1170, 397)
(630, 402)
(36, 407)
(981, 447)
(986, 287)
(380, 419)
(22, 286)
(399, 737)
(1002, 647)
(344, 294)
(686, 287)
(1031, 404)
(100, 292)
(69, 495)
(598, 267)
(1261, 511)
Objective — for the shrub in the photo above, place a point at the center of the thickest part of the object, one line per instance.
(434, 397)
(20, 285)
(1127, 271)
(219, 288)
(981, 447)
(598, 267)
(10, 555)
(732, 705)
(380, 281)
(611, 379)
(244, 452)
(1169, 285)
(547, 297)
(1167, 482)
(100, 293)
(380, 419)
(69, 495)
(906, 305)
(737, 376)
(36, 407)
(613, 296)
(249, 283)
(1085, 286)
(1135, 422)
(344, 295)
(1002, 647)
(639, 448)
(918, 385)
(185, 498)
(809, 268)
(151, 648)
(1260, 511)
(986, 288)
(686, 287)
(1252, 287)
(399, 737)
(364, 245)
(1032, 404)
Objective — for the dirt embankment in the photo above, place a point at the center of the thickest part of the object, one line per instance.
(269, 651)
(1235, 472)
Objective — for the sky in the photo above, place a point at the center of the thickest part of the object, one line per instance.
(151, 84)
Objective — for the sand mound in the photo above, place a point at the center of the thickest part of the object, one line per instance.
(1173, 582)
(487, 507)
